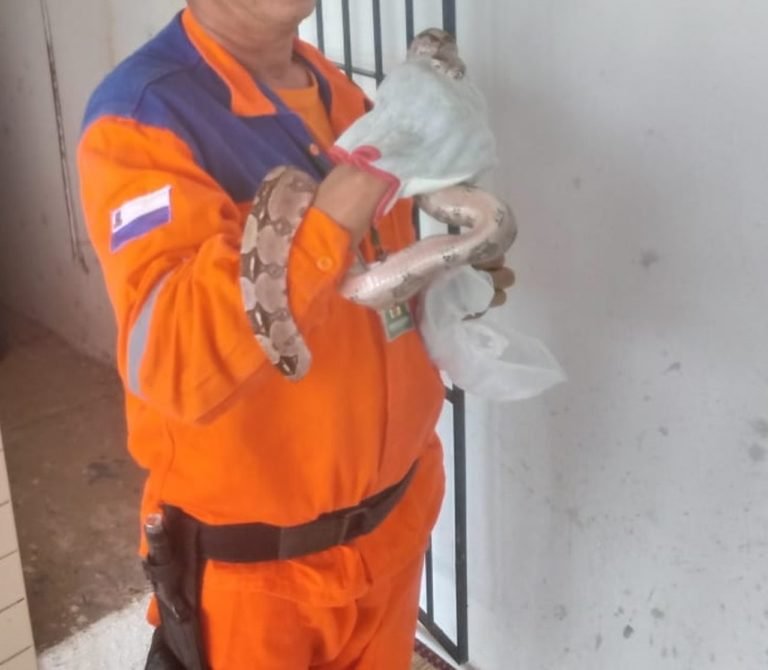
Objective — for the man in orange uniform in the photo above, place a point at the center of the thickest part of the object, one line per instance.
(175, 144)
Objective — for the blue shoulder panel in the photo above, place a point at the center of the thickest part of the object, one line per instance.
(167, 84)
(123, 91)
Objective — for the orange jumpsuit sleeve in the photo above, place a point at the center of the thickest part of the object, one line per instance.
(184, 341)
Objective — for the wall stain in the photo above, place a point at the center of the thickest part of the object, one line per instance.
(598, 641)
(757, 452)
(649, 257)
(628, 632)
(561, 612)
(658, 614)
(98, 470)
(574, 517)
(677, 366)
(760, 426)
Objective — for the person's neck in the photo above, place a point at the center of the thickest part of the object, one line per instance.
(266, 51)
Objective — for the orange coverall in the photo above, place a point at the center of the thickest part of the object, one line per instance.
(175, 144)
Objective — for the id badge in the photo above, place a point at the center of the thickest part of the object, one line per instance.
(397, 320)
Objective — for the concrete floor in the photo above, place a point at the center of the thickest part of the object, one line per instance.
(75, 491)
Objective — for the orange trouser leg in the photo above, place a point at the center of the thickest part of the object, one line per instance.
(254, 631)
(385, 626)
(247, 630)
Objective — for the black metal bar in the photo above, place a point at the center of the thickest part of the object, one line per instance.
(460, 521)
(443, 640)
(347, 38)
(460, 468)
(449, 25)
(430, 579)
(416, 222)
(459, 648)
(377, 47)
(410, 31)
(320, 26)
(449, 16)
(357, 70)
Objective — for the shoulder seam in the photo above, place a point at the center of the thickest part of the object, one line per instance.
(131, 112)
(161, 77)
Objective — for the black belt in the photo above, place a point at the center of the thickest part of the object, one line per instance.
(257, 542)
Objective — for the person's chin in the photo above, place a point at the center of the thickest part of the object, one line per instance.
(304, 8)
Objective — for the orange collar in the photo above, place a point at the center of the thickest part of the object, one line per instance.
(250, 99)
(247, 98)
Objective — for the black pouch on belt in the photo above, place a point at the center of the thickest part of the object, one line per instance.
(173, 566)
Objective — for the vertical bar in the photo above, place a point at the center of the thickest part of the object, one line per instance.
(69, 196)
(460, 497)
(460, 467)
(449, 16)
(377, 48)
(430, 579)
(459, 648)
(416, 221)
(347, 37)
(410, 32)
(320, 26)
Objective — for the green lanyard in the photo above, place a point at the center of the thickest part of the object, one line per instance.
(378, 249)
(397, 319)
(377, 246)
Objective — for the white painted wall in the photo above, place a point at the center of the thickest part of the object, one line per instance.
(621, 521)
(39, 275)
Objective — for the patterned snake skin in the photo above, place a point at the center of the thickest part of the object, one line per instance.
(488, 230)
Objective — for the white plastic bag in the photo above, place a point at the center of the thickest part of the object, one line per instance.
(488, 360)
(427, 130)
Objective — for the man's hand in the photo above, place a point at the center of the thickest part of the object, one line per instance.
(350, 197)
(503, 278)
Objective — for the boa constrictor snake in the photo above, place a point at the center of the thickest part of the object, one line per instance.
(282, 201)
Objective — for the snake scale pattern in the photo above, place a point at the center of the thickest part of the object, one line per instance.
(487, 229)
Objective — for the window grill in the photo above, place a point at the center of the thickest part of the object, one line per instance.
(457, 648)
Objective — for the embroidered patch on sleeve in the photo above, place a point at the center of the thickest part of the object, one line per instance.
(139, 216)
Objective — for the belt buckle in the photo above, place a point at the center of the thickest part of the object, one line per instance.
(348, 518)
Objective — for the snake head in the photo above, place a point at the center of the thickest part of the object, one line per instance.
(441, 48)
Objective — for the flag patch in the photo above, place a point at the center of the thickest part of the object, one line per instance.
(139, 216)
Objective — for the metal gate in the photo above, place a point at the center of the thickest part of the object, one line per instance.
(458, 648)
